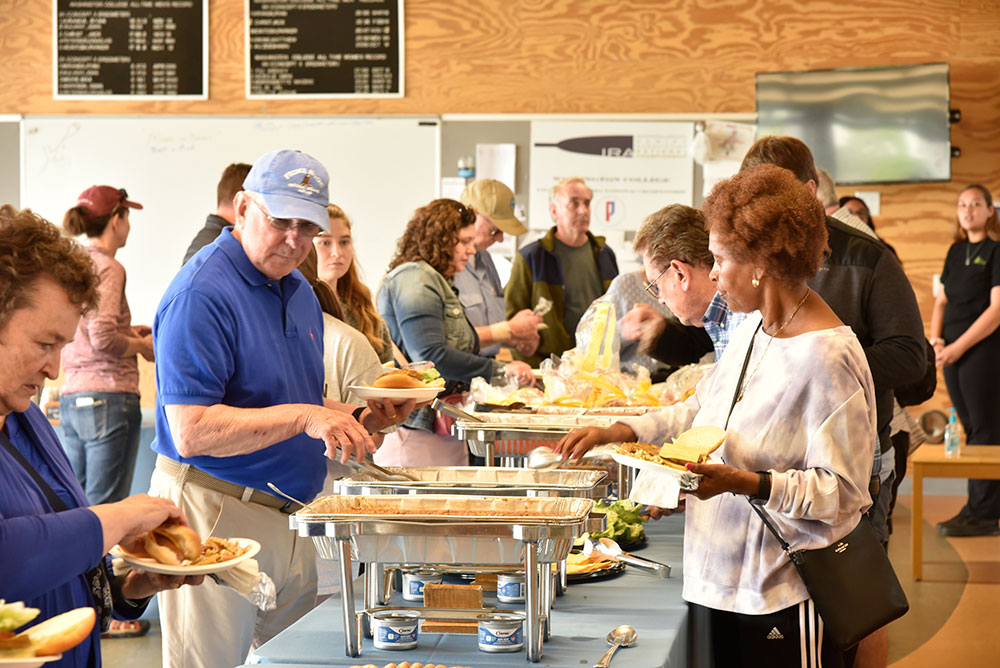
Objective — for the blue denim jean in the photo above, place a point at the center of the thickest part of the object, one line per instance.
(101, 439)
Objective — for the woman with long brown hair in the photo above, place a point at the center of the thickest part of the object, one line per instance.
(418, 301)
(336, 266)
(966, 340)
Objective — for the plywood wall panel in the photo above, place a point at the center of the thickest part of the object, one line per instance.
(623, 56)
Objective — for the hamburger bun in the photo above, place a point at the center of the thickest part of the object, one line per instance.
(172, 544)
(60, 633)
(400, 379)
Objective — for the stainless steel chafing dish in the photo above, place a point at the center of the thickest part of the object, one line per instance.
(435, 529)
(478, 480)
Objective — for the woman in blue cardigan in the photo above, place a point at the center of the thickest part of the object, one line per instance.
(54, 544)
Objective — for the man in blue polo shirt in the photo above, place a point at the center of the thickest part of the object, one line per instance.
(239, 378)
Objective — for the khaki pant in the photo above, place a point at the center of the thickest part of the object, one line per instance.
(211, 626)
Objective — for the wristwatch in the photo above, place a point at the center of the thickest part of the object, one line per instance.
(763, 489)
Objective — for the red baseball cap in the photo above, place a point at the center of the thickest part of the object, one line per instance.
(102, 200)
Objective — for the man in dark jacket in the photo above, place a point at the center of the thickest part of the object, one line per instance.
(541, 267)
(230, 183)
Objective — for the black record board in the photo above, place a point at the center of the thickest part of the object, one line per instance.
(134, 48)
(324, 48)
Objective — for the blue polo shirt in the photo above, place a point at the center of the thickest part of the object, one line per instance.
(225, 333)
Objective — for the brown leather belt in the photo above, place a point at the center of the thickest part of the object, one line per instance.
(187, 473)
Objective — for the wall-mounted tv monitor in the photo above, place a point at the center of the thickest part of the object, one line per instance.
(864, 125)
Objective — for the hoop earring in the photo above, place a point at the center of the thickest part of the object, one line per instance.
(755, 282)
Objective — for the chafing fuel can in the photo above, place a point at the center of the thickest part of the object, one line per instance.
(395, 629)
(414, 581)
(510, 587)
(500, 632)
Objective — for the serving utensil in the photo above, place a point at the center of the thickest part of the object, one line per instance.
(274, 488)
(544, 458)
(453, 411)
(613, 551)
(381, 473)
(623, 636)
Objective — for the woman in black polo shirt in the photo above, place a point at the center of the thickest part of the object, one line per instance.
(967, 344)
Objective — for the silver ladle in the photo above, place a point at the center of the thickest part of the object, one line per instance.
(623, 636)
(544, 458)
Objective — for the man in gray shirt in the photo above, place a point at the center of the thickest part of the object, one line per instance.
(479, 287)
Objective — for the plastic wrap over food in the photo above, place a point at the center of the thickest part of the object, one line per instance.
(597, 342)
(569, 384)
(681, 383)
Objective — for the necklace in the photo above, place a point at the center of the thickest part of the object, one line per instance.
(968, 251)
(773, 337)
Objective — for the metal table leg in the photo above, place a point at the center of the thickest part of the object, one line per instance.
(352, 640)
(547, 592)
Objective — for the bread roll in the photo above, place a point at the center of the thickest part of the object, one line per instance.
(172, 544)
(62, 632)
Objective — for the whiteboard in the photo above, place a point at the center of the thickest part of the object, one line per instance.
(381, 170)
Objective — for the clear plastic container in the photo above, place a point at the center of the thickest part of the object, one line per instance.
(952, 436)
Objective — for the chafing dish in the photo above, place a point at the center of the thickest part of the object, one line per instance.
(478, 480)
(435, 529)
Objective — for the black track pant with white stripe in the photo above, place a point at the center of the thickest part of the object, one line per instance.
(790, 638)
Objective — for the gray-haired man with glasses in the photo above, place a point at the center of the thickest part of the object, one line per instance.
(239, 377)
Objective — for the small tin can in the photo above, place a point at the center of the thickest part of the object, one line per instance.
(395, 629)
(500, 632)
(510, 587)
(414, 581)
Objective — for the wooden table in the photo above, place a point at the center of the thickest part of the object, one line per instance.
(974, 461)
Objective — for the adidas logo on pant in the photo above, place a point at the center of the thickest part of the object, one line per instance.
(775, 634)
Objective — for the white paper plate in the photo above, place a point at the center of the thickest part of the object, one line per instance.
(33, 662)
(397, 396)
(153, 566)
(688, 481)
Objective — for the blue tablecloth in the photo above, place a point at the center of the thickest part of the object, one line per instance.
(581, 620)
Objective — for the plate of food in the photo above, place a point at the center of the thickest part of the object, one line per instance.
(581, 568)
(693, 446)
(401, 385)
(174, 549)
(44, 642)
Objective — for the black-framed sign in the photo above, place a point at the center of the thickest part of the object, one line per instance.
(324, 48)
(149, 49)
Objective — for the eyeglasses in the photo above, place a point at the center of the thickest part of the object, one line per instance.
(305, 228)
(496, 232)
(652, 288)
(468, 215)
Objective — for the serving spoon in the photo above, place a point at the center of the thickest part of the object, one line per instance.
(623, 636)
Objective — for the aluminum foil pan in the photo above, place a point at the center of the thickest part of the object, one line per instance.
(447, 508)
(495, 481)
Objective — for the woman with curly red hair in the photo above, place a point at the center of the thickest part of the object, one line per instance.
(795, 394)
(418, 301)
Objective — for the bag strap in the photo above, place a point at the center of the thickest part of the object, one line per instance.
(736, 395)
(57, 504)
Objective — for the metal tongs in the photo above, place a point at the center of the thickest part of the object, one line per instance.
(382, 474)
(453, 411)
(611, 550)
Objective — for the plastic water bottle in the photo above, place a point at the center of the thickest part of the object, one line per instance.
(951, 436)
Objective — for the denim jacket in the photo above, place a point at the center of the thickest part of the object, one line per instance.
(426, 321)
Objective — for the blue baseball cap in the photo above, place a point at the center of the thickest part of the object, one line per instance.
(293, 185)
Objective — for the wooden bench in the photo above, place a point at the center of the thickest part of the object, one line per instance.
(929, 461)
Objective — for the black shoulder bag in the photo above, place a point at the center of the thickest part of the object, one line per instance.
(97, 577)
(851, 582)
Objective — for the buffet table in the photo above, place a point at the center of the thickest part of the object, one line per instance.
(580, 621)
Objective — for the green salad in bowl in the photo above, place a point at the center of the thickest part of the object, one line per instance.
(624, 523)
